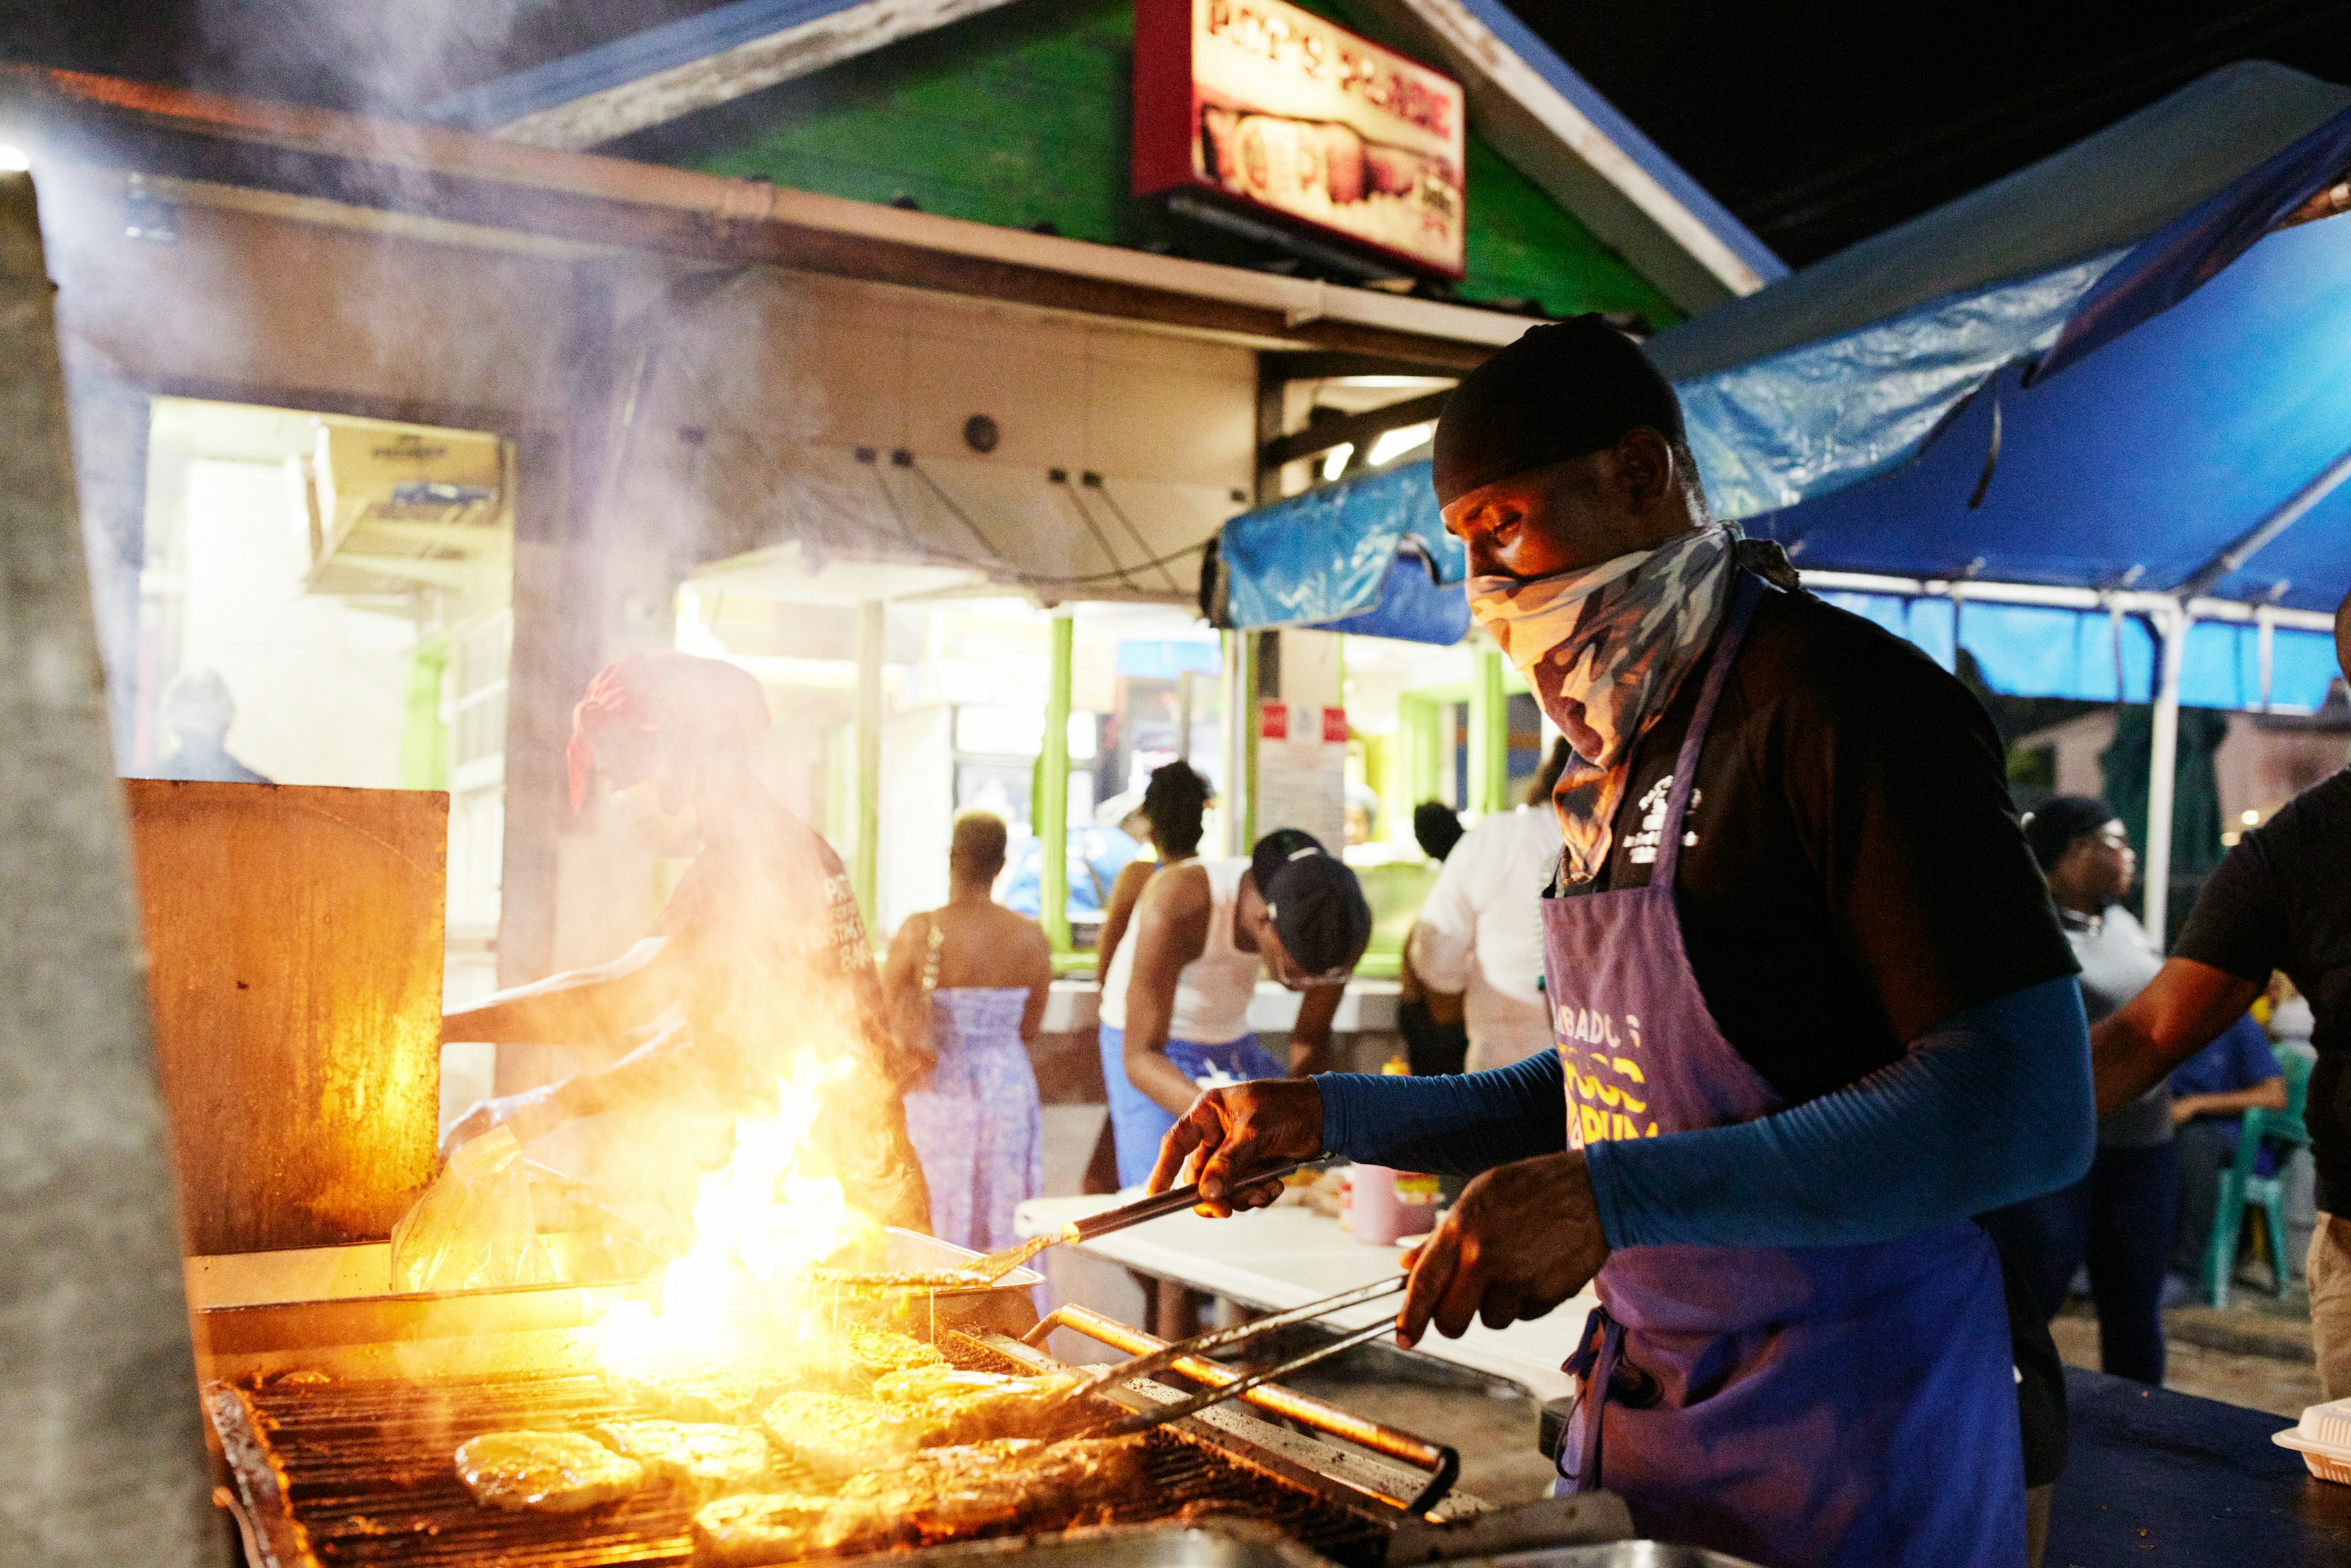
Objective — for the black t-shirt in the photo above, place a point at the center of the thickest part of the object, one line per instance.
(2281, 899)
(1857, 875)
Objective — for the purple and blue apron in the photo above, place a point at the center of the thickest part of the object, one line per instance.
(1853, 1407)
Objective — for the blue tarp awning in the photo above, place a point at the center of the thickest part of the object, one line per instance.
(2119, 419)
(1367, 555)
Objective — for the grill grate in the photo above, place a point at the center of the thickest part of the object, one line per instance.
(365, 1471)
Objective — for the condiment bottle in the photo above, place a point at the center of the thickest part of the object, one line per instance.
(1384, 1204)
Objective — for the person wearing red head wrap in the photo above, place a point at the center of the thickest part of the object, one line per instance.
(760, 951)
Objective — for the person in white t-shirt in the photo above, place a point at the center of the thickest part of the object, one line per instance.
(1480, 931)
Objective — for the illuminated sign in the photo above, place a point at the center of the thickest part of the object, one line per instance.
(1274, 108)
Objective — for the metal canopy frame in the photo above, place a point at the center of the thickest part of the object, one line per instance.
(2171, 614)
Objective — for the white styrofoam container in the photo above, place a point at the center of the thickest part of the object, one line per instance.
(2323, 1440)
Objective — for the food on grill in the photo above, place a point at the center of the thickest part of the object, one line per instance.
(758, 1527)
(549, 1472)
(879, 1352)
(704, 1457)
(698, 1391)
(1037, 1476)
(930, 1496)
(935, 1384)
(734, 1392)
(879, 1279)
(953, 1407)
(836, 1434)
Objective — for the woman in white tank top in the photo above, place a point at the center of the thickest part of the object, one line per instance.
(1175, 998)
(1207, 1037)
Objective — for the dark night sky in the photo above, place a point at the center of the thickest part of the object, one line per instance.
(1818, 123)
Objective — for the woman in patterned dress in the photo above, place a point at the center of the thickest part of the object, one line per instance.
(975, 1120)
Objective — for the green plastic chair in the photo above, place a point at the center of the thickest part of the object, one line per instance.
(2240, 1189)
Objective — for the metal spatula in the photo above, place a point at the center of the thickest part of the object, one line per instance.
(1173, 1201)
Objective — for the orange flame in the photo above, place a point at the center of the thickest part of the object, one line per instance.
(760, 1224)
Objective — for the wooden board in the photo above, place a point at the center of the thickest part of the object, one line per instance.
(294, 937)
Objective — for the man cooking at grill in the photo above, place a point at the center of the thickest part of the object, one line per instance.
(759, 953)
(1812, 1011)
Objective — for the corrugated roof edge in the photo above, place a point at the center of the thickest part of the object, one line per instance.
(1653, 160)
(1292, 305)
(624, 59)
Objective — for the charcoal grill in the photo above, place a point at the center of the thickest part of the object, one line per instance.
(329, 1472)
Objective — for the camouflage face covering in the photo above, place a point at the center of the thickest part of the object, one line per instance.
(1605, 649)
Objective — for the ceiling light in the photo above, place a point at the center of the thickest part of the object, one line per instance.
(1334, 462)
(2250, 819)
(13, 161)
(1397, 442)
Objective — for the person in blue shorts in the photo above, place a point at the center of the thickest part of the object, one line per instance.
(1175, 1007)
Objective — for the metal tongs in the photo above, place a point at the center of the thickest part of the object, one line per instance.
(1219, 1339)
(996, 1265)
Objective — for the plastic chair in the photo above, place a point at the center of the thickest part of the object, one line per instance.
(2240, 1189)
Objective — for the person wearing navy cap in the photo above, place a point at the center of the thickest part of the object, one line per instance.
(1811, 1008)
(1174, 1006)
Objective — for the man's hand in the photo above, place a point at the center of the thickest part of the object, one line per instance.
(1238, 1129)
(1523, 1237)
(529, 1113)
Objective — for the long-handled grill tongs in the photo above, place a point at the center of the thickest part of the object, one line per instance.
(1175, 1200)
(1221, 1339)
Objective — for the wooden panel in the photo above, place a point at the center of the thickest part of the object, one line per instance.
(294, 938)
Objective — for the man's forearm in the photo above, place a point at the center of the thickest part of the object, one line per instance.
(1145, 1040)
(2267, 1095)
(578, 1005)
(1456, 1125)
(1991, 1106)
(1309, 1054)
(2183, 1009)
(2127, 1060)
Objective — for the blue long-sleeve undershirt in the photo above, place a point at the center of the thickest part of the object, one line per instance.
(1991, 1105)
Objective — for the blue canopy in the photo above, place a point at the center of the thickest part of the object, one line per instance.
(2153, 401)
(1367, 555)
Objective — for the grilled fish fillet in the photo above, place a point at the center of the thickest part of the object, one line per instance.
(730, 1392)
(836, 1434)
(879, 1352)
(704, 1457)
(758, 1527)
(549, 1472)
(952, 1407)
(931, 1496)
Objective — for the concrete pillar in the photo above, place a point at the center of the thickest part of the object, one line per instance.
(101, 1434)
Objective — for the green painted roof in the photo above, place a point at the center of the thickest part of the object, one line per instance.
(1021, 116)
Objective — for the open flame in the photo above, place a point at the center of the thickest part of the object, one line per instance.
(760, 1224)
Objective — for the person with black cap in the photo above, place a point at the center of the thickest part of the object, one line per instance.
(1175, 1007)
(2118, 1217)
(1811, 1008)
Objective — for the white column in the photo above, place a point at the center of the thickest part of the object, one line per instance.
(2162, 766)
